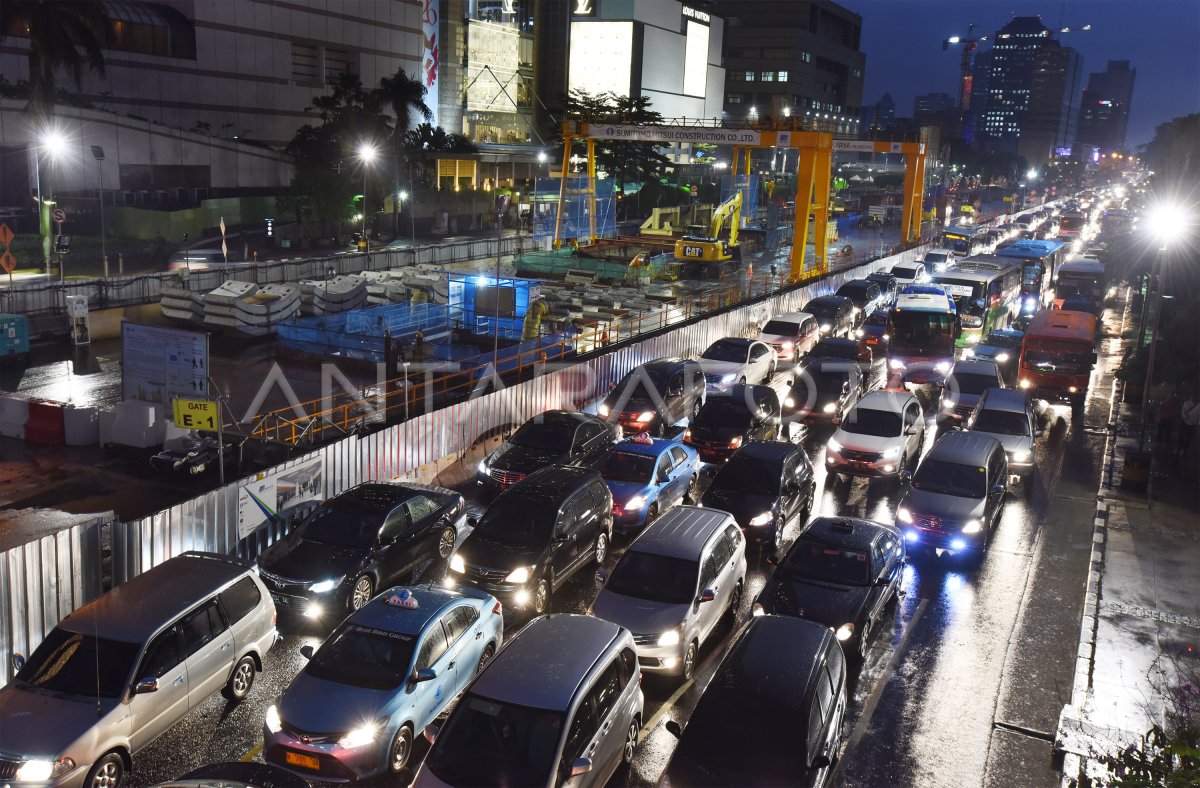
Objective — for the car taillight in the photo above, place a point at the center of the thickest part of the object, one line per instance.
(497, 608)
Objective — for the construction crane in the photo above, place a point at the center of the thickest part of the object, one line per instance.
(710, 248)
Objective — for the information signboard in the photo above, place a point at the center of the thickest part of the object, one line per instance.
(159, 364)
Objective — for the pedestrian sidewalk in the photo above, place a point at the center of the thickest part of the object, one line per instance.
(1140, 635)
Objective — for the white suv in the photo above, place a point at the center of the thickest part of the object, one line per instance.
(881, 435)
(939, 260)
(791, 335)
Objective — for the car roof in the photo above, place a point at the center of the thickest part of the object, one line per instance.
(381, 614)
(791, 317)
(888, 401)
(940, 251)
(864, 282)
(1003, 332)
(851, 532)
(379, 496)
(838, 341)
(681, 532)
(136, 609)
(760, 394)
(877, 275)
(668, 364)
(841, 365)
(1013, 400)
(770, 451)
(831, 298)
(549, 485)
(545, 663)
(790, 647)
(963, 448)
(743, 342)
(568, 417)
(654, 448)
(977, 367)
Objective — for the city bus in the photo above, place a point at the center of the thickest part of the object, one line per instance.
(986, 291)
(1115, 221)
(923, 326)
(1070, 225)
(1058, 352)
(1039, 259)
(1080, 277)
(964, 240)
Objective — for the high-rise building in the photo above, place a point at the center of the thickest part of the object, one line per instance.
(981, 74)
(933, 109)
(1104, 113)
(1050, 122)
(797, 58)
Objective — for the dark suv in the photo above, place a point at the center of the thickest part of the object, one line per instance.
(535, 535)
(655, 396)
(556, 437)
(866, 295)
(746, 413)
(834, 314)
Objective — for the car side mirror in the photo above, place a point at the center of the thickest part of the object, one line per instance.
(821, 762)
(905, 475)
(431, 732)
(663, 477)
(307, 651)
(999, 487)
(581, 766)
(673, 392)
(836, 421)
(707, 595)
(145, 686)
(421, 675)
(674, 728)
(18, 662)
(472, 521)
(882, 581)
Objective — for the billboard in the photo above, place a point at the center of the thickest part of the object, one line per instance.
(496, 46)
(711, 136)
(695, 60)
(159, 364)
(430, 62)
(601, 57)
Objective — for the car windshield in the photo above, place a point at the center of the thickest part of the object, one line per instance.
(844, 350)
(725, 412)
(643, 384)
(343, 522)
(78, 664)
(364, 657)
(970, 384)
(517, 521)
(904, 272)
(935, 257)
(781, 328)
(726, 351)
(824, 310)
(624, 466)
(1001, 340)
(950, 478)
(853, 292)
(486, 742)
(1057, 359)
(813, 560)
(656, 578)
(766, 751)
(865, 421)
(1001, 422)
(547, 437)
(822, 381)
(876, 319)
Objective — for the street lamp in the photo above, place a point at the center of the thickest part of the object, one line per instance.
(54, 144)
(366, 154)
(98, 153)
(1031, 175)
(402, 195)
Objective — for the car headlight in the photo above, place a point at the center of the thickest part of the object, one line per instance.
(40, 770)
(786, 345)
(272, 721)
(729, 378)
(360, 736)
(789, 402)
(325, 586)
(635, 503)
(456, 564)
(887, 337)
(825, 327)
(518, 575)
(669, 638)
(833, 445)
(858, 332)
(972, 527)
(830, 407)
(895, 363)
(757, 609)
(645, 417)
(483, 467)
(1021, 455)
(890, 453)
(942, 366)
(845, 632)
(735, 441)
(603, 410)
(762, 519)
(1001, 358)
(904, 515)
(948, 404)
(1025, 383)
(968, 352)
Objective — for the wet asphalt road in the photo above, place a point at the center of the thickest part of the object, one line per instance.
(964, 688)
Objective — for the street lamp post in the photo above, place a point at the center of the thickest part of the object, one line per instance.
(366, 154)
(98, 152)
(53, 144)
(1166, 224)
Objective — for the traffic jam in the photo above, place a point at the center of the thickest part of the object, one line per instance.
(695, 581)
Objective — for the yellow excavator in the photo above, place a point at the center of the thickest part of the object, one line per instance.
(711, 248)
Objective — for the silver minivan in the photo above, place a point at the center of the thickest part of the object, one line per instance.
(117, 673)
(673, 585)
(561, 702)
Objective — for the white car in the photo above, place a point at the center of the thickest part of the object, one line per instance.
(939, 260)
(734, 360)
(880, 436)
(909, 274)
(791, 335)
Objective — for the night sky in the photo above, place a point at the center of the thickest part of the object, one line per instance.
(903, 44)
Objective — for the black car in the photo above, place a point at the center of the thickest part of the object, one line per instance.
(841, 572)
(887, 283)
(238, 774)
(357, 542)
(746, 413)
(556, 437)
(873, 332)
(772, 713)
(834, 314)
(764, 485)
(655, 396)
(823, 390)
(535, 535)
(845, 349)
(866, 295)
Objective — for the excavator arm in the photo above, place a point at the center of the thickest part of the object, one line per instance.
(730, 209)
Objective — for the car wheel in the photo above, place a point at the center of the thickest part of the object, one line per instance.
(735, 602)
(362, 592)
(400, 750)
(541, 596)
(659, 430)
(689, 660)
(241, 680)
(631, 742)
(696, 408)
(776, 538)
(108, 772)
(690, 496)
(485, 657)
(601, 547)
(652, 513)
(862, 641)
(446, 541)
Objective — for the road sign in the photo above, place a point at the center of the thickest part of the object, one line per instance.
(1008, 198)
(196, 414)
(7, 262)
(59, 215)
(6, 235)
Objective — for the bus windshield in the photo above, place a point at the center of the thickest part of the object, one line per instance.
(1080, 286)
(1063, 358)
(1070, 223)
(922, 333)
(1032, 275)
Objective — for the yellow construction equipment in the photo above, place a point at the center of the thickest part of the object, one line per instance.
(662, 221)
(711, 248)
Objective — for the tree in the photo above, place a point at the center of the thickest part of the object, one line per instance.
(63, 34)
(1174, 155)
(427, 138)
(404, 95)
(624, 160)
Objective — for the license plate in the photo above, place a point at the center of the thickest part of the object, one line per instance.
(280, 600)
(307, 761)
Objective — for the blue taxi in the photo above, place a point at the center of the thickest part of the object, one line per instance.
(647, 476)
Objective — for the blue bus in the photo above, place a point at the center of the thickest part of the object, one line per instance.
(1039, 264)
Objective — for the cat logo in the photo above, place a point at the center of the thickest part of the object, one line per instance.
(693, 251)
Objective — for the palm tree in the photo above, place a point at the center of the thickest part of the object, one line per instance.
(404, 94)
(63, 34)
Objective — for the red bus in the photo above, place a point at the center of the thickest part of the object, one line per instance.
(1057, 354)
